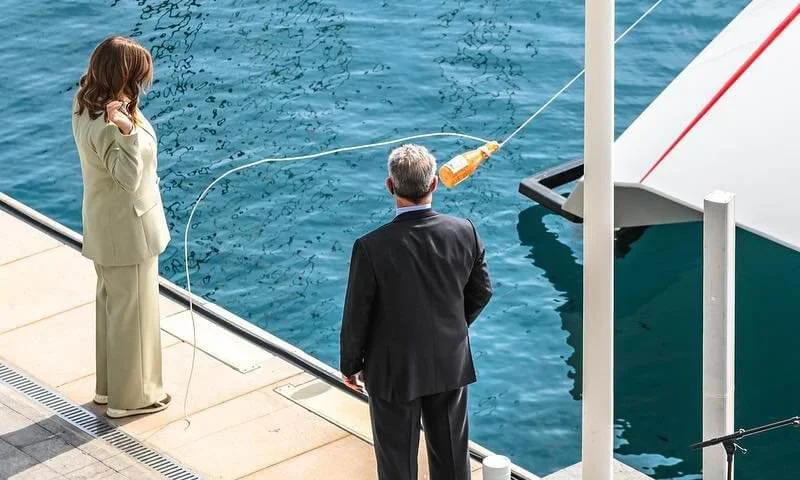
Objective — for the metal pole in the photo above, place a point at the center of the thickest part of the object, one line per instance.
(719, 260)
(598, 232)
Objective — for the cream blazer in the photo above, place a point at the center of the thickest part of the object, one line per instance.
(123, 216)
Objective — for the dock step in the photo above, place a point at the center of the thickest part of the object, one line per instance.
(621, 472)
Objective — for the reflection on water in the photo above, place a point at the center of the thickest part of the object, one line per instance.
(658, 344)
(558, 262)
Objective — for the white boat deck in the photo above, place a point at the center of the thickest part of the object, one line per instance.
(253, 415)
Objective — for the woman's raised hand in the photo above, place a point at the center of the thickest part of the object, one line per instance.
(116, 115)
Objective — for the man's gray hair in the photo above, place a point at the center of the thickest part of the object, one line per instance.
(412, 169)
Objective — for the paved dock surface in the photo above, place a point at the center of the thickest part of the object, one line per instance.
(253, 414)
(36, 445)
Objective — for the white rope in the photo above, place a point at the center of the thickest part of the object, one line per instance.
(576, 77)
(260, 162)
(342, 150)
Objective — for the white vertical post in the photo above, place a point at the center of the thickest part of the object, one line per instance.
(598, 233)
(719, 260)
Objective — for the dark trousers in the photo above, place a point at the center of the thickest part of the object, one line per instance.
(396, 427)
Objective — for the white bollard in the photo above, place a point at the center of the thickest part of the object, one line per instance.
(496, 467)
(719, 310)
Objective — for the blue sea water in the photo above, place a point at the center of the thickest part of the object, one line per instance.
(242, 80)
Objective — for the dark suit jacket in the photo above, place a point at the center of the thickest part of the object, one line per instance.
(415, 286)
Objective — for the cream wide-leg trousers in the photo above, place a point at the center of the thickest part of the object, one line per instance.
(128, 343)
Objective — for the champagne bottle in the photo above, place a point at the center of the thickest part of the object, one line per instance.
(460, 167)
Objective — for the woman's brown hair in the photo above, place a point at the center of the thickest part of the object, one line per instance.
(119, 67)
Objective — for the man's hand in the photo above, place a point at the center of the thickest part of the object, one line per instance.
(352, 381)
(116, 115)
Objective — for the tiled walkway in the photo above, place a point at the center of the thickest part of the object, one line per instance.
(35, 445)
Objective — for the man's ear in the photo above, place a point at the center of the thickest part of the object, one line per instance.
(390, 185)
(434, 184)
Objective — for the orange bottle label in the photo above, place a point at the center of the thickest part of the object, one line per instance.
(457, 163)
(462, 166)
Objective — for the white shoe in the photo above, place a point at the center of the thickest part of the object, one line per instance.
(156, 407)
(100, 399)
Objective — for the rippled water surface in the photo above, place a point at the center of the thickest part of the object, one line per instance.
(242, 80)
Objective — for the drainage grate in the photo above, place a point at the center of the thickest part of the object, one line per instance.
(94, 425)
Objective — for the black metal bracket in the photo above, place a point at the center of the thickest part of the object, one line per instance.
(541, 187)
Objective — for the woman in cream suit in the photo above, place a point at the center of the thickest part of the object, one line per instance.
(124, 228)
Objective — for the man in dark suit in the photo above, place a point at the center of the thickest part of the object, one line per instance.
(416, 284)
